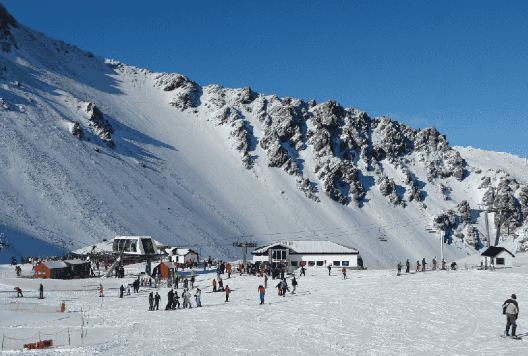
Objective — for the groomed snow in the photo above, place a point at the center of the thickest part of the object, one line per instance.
(370, 313)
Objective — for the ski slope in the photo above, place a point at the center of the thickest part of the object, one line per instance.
(370, 313)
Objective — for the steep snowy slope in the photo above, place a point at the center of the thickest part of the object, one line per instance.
(91, 148)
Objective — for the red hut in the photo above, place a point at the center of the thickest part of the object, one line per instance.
(53, 270)
(164, 269)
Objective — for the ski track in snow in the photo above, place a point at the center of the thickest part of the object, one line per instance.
(370, 313)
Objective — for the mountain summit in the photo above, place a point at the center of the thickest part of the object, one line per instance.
(92, 148)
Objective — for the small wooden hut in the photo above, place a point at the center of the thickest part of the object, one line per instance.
(165, 269)
(79, 268)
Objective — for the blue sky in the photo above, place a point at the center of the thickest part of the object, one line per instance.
(458, 65)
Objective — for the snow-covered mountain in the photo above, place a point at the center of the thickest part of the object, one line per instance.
(91, 148)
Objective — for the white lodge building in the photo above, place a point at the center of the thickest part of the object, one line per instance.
(307, 253)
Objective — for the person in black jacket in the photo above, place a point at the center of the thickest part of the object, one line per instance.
(170, 302)
(511, 309)
(151, 301)
(41, 290)
(157, 298)
(294, 284)
(407, 266)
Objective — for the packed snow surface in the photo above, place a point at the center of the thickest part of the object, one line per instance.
(373, 312)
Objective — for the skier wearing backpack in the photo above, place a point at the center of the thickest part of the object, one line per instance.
(262, 292)
(511, 309)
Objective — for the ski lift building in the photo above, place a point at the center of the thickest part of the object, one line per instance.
(53, 270)
(496, 257)
(295, 254)
(135, 245)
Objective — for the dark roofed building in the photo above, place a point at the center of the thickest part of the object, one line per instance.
(496, 257)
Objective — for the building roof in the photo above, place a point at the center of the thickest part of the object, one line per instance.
(181, 251)
(308, 246)
(493, 251)
(76, 262)
(168, 264)
(54, 264)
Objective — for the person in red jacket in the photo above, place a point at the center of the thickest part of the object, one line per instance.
(214, 285)
(344, 273)
(228, 267)
(227, 293)
(262, 292)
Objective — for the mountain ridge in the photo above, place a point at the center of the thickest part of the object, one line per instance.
(95, 144)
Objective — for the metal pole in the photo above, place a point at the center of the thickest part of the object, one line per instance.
(487, 228)
(442, 234)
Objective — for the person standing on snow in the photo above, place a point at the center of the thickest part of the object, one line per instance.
(423, 264)
(329, 269)
(151, 301)
(41, 290)
(121, 291)
(157, 298)
(101, 290)
(434, 264)
(417, 266)
(192, 282)
(187, 299)
(294, 284)
(303, 271)
(511, 309)
(198, 296)
(407, 266)
(227, 293)
(399, 268)
(265, 281)
(214, 285)
(344, 273)
(262, 292)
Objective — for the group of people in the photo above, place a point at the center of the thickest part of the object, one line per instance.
(173, 300)
(423, 265)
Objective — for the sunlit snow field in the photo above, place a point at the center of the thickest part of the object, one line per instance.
(370, 313)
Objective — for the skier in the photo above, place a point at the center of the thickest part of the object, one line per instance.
(198, 295)
(423, 264)
(329, 269)
(282, 273)
(417, 266)
(176, 300)
(19, 292)
(192, 282)
(399, 268)
(294, 284)
(284, 287)
(41, 290)
(262, 292)
(303, 271)
(170, 300)
(121, 291)
(279, 286)
(511, 309)
(434, 264)
(227, 293)
(344, 273)
(228, 267)
(407, 266)
(265, 281)
(214, 285)
(151, 301)
(128, 292)
(187, 299)
(101, 290)
(157, 298)
(176, 281)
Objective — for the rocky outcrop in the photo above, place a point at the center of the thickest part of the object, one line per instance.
(101, 126)
(7, 21)
(76, 130)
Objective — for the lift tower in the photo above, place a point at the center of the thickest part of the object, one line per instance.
(244, 244)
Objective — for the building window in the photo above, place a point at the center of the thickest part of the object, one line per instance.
(320, 263)
(345, 263)
(294, 263)
(500, 261)
(337, 263)
(311, 263)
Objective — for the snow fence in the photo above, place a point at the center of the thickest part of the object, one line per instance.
(36, 308)
(37, 341)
